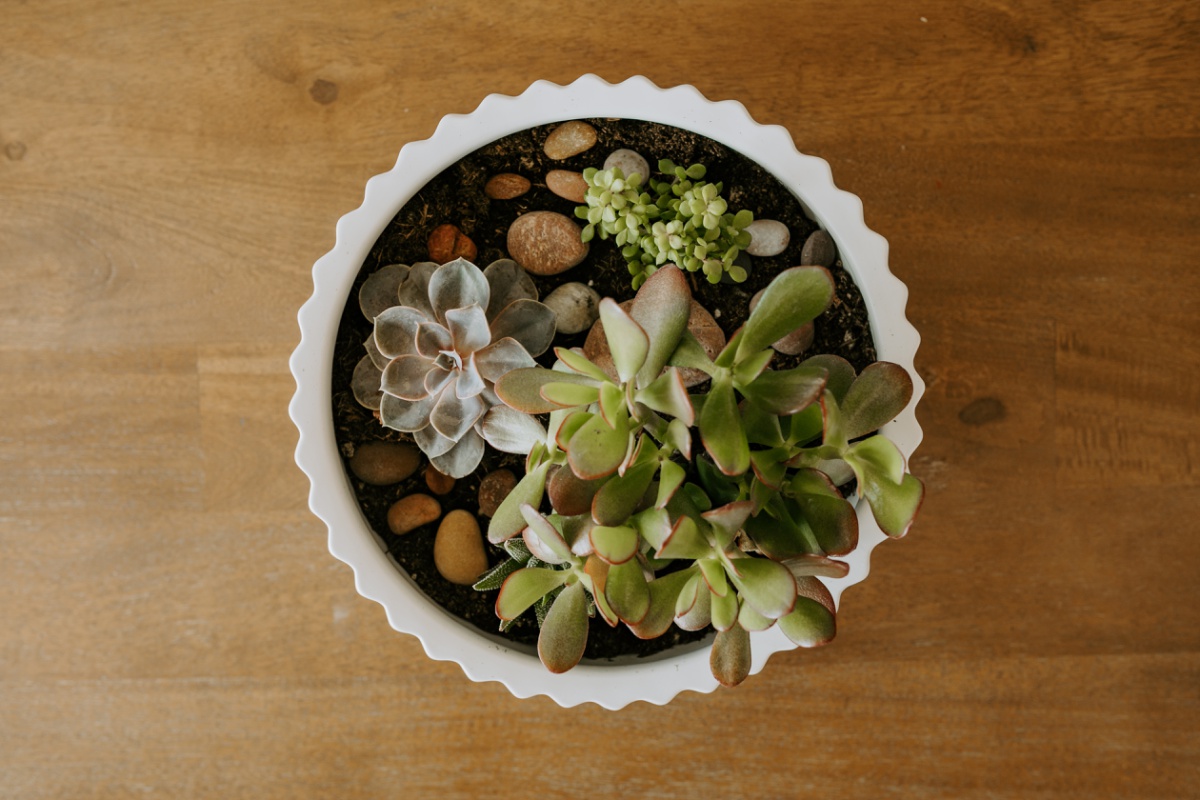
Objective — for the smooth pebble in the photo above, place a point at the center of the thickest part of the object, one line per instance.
(447, 243)
(545, 242)
(494, 487)
(458, 550)
(629, 162)
(569, 139)
(575, 307)
(567, 184)
(384, 463)
(506, 186)
(438, 482)
(819, 250)
(409, 513)
(768, 237)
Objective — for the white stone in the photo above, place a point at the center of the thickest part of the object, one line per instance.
(575, 306)
(768, 237)
(629, 163)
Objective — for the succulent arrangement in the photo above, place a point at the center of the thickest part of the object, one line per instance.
(442, 336)
(622, 513)
(684, 222)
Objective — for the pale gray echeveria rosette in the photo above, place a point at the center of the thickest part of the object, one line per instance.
(443, 336)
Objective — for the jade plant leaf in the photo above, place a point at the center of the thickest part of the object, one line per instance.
(787, 391)
(507, 522)
(727, 520)
(766, 585)
(684, 541)
(816, 566)
(627, 591)
(571, 495)
(618, 498)
(626, 339)
(841, 373)
(693, 610)
(597, 449)
(876, 455)
(875, 398)
(564, 631)
(668, 395)
(522, 388)
(661, 308)
(796, 296)
(751, 620)
(570, 424)
(670, 477)
(812, 622)
(721, 429)
(724, 610)
(690, 354)
(895, 505)
(580, 364)
(614, 545)
(553, 547)
(653, 525)
(730, 656)
(567, 394)
(664, 594)
(525, 587)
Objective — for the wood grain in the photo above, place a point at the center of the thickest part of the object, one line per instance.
(173, 624)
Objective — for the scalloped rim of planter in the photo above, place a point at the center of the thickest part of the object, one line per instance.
(615, 684)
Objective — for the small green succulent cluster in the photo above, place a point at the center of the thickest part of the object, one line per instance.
(646, 530)
(684, 222)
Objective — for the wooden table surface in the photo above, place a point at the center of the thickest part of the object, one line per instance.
(172, 623)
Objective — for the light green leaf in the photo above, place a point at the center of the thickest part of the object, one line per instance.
(724, 610)
(507, 521)
(690, 354)
(612, 403)
(564, 632)
(661, 308)
(653, 525)
(596, 449)
(670, 477)
(571, 423)
(567, 394)
(812, 622)
(786, 392)
(879, 456)
(796, 296)
(745, 372)
(766, 585)
(684, 541)
(751, 620)
(667, 394)
(522, 388)
(614, 545)
(547, 534)
(895, 506)
(841, 373)
(727, 520)
(626, 339)
(619, 497)
(627, 591)
(721, 429)
(875, 398)
(525, 587)
(664, 595)
(697, 614)
(580, 364)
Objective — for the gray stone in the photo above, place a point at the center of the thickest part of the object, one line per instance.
(768, 237)
(575, 306)
(630, 163)
(819, 250)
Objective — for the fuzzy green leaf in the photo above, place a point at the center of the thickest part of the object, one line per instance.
(730, 656)
(875, 398)
(525, 587)
(564, 632)
(796, 296)
(766, 585)
(494, 578)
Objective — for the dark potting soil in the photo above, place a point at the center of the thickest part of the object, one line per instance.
(457, 196)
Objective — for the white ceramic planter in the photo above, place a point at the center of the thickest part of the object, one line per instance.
(483, 657)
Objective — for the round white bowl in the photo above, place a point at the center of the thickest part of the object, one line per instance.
(484, 657)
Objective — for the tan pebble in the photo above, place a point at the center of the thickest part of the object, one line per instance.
(493, 489)
(409, 513)
(447, 243)
(569, 139)
(567, 184)
(384, 463)
(506, 186)
(458, 549)
(438, 483)
(545, 242)
(700, 323)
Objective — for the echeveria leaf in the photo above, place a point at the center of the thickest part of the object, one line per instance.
(461, 459)
(626, 339)
(380, 291)
(508, 282)
(531, 323)
(661, 308)
(501, 357)
(564, 632)
(365, 383)
(457, 284)
(668, 395)
(618, 498)
(664, 593)
(452, 415)
(614, 545)
(522, 388)
(721, 429)
(766, 585)
(525, 587)
(406, 416)
(396, 331)
(596, 449)
(730, 656)
(511, 431)
(796, 296)
(788, 391)
(693, 610)
(627, 591)
(875, 398)
(507, 522)
(724, 610)
(414, 292)
(841, 373)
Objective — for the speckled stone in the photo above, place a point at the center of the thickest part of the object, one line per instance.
(506, 186)
(567, 184)
(545, 242)
(819, 250)
(570, 139)
(494, 487)
(575, 307)
(629, 162)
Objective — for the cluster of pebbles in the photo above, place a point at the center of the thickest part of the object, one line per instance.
(547, 243)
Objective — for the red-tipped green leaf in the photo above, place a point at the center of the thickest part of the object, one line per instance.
(564, 632)
(580, 364)
(697, 613)
(661, 308)
(626, 339)
(766, 585)
(833, 522)
(570, 395)
(730, 656)
(895, 506)
(877, 455)
(670, 477)
(522, 388)
(724, 610)
(653, 525)
(507, 522)
(684, 541)
(713, 572)
(570, 424)
(627, 591)
(596, 449)
(668, 395)
(664, 593)
(614, 545)
(619, 497)
(875, 398)
(543, 539)
(841, 373)
(612, 403)
(721, 430)
(727, 520)
(789, 391)
(816, 566)
(751, 620)
(796, 296)
(812, 622)
(525, 587)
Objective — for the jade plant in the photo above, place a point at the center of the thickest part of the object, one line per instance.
(620, 514)
(684, 222)
(443, 335)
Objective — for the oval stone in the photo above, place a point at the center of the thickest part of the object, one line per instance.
(458, 550)
(545, 242)
(569, 139)
(567, 184)
(575, 307)
(494, 487)
(506, 186)
(438, 482)
(819, 250)
(409, 513)
(768, 237)
(629, 162)
(384, 463)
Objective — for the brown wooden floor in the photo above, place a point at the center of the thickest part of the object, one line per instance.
(172, 623)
